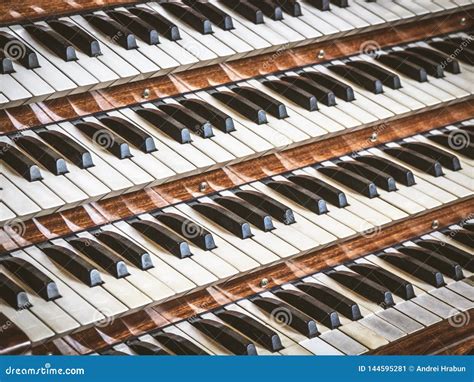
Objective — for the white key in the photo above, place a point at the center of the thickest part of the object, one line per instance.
(6, 214)
(34, 328)
(187, 266)
(310, 33)
(101, 169)
(412, 7)
(119, 288)
(15, 93)
(189, 152)
(430, 5)
(318, 347)
(224, 250)
(324, 28)
(16, 200)
(364, 335)
(71, 302)
(242, 32)
(106, 304)
(329, 18)
(351, 18)
(384, 13)
(143, 281)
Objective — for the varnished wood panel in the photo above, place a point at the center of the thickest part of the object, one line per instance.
(125, 206)
(246, 285)
(65, 108)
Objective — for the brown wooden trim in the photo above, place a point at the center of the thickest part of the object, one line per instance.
(445, 337)
(125, 206)
(71, 107)
(184, 307)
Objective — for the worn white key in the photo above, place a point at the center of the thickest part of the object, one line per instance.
(32, 82)
(16, 200)
(355, 20)
(324, 28)
(106, 304)
(382, 12)
(417, 9)
(6, 214)
(418, 313)
(329, 18)
(363, 334)
(319, 347)
(13, 91)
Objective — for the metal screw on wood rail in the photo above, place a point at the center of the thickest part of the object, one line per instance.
(463, 20)
(321, 54)
(435, 224)
(263, 283)
(374, 137)
(202, 186)
(146, 93)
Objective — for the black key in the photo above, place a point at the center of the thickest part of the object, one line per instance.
(130, 132)
(468, 128)
(355, 182)
(77, 36)
(146, 348)
(247, 211)
(299, 195)
(53, 41)
(322, 5)
(328, 192)
(451, 65)
(455, 49)
(140, 28)
(340, 3)
(463, 236)
(126, 248)
(269, 8)
(213, 13)
(454, 141)
(6, 65)
(225, 336)
(269, 104)
(243, 106)
(72, 150)
(415, 268)
(441, 263)
(466, 260)
(246, 10)
(190, 119)
(339, 88)
(419, 161)
(312, 307)
(225, 218)
(166, 124)
(44, 286)
(116, 31)
(22, 164)
(161, 24)
(468, 226)
(399, 64)
(385, 76)
(446, 159)
(322, 94)
(251, 328)
(207, 111)
(380, 178)
(178, 344)
(276, 209)
(395, 284)
(13, 294)
(74, 264)
(364, 286)
(164, 237)
(301, 97)
(190, 16)
(292, 7)
(400, 174)
(105, 138)
(113, 352)
(187, 228)
(101, 255)
(13, 48)
(432, 68)
(285, 314)
(43, 154)
(358, 77)
(333, 299)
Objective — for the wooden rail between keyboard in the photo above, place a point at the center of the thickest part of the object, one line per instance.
(125, 206)
(79, 105)
(154, 317)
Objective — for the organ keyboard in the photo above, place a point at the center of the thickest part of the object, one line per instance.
(237, 177)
